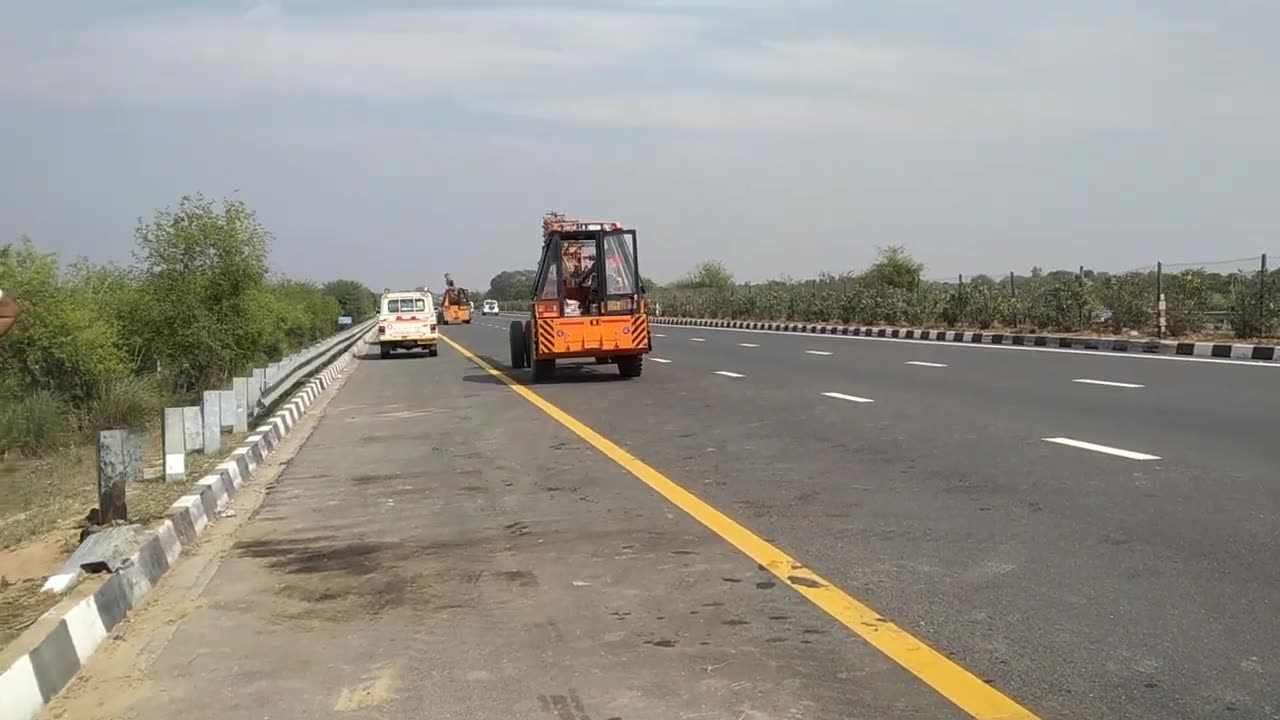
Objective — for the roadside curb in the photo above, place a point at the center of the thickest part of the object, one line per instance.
(37, 677)
(1268, 353)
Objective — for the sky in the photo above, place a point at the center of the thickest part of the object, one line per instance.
(392, 141)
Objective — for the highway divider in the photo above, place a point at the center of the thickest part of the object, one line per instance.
(1264, 353)
(52, 659)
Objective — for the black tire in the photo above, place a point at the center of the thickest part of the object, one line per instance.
(630, 366)
(602, 361)
(519, 346)
(384, 352)
(434, 351)
(544, 370)
(467, 321)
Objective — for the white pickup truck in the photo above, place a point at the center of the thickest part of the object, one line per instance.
(407, 321)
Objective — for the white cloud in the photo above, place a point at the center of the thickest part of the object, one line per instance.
(411, 54)
(554, 62)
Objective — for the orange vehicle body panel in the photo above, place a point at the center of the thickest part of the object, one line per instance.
(591, 336)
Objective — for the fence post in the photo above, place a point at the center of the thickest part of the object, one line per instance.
(1013, 293)
(119, 463)
(1263, 327)
(173, 438)
(212, 421)
(1160, 300)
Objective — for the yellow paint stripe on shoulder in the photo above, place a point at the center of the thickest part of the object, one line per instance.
(956, 684)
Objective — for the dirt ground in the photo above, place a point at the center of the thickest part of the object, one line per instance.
(44, 503)
(118, 673)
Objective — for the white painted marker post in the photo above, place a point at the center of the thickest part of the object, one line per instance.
(173, 437)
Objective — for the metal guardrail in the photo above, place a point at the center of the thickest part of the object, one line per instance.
(280, 377)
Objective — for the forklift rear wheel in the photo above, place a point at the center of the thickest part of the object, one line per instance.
(519, 346)
(630, 366)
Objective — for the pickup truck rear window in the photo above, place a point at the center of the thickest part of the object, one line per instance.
(403, 305)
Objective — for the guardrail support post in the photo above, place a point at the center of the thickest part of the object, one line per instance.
(192, 428)
(119, 463)
(173, 437)
(227, 408)
(240, 388)
(256, 381)
(212, 422)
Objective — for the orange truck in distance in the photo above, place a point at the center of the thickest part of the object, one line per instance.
(455, 306)
(588, 300)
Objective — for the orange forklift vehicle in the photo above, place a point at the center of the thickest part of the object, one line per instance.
(588, 300)
(455, 307)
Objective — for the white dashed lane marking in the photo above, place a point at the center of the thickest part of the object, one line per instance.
(850, 398)
(1101, 448)
(816, 352)
(697, 339)
(726, 373)
(925, 364)
(659, 360)
(1108, 383)
(747, 345)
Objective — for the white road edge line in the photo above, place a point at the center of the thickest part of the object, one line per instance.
(1101, 448)
(726, 373)
(659, 360)
(1108, 383)
(850, 398)
(816, 352)
(922, 363)
(987, 346)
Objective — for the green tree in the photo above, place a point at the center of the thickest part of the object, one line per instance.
(511, 285)
(63, 344)
(201, 269)
(354, 299)
(706, 274)
(895, 268)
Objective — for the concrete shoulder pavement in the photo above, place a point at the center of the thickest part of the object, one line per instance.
(440, 548)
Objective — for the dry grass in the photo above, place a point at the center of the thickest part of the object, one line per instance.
(43, 507)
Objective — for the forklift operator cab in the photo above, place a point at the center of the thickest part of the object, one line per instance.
(579, 283)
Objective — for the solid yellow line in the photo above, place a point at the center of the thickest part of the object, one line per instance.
(953, 682)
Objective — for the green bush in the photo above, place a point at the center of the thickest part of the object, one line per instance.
(34, 424)
(893, 291)
(133, 402)
(100, 346)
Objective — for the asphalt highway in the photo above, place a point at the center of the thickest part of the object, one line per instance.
(1089, 537)
(1095, 534)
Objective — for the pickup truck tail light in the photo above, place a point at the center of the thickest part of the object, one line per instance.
(382, 329)
(431, 328)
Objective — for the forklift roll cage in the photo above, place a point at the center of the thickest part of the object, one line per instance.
(605, 297)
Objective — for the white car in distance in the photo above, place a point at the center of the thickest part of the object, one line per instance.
(490, 307)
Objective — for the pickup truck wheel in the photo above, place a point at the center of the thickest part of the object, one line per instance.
(519, 347)
(385, 352)
(434, 351)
